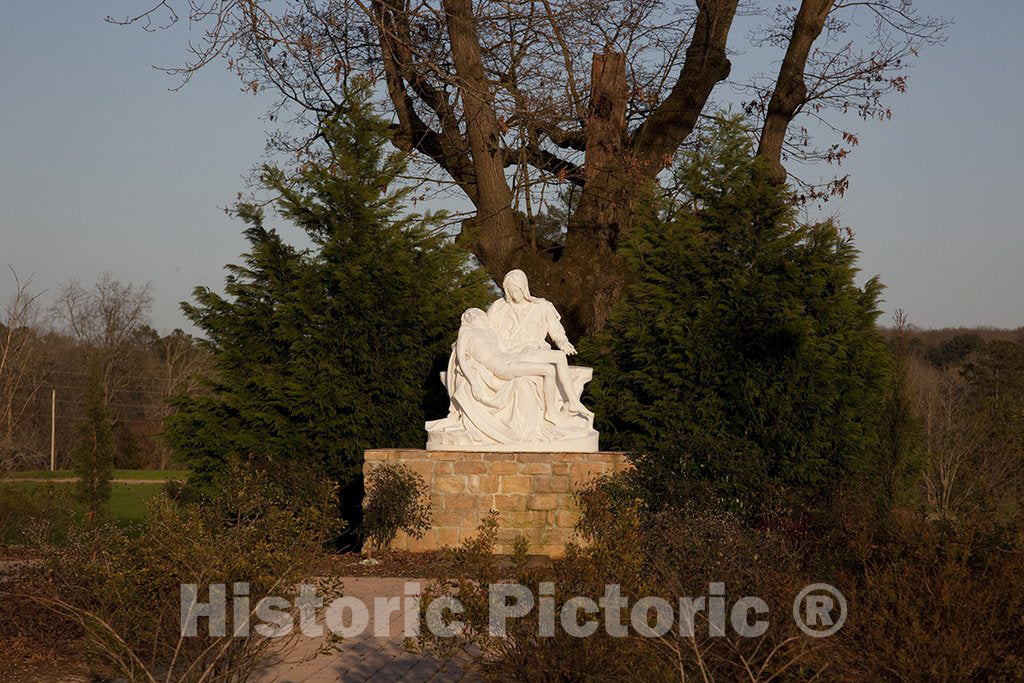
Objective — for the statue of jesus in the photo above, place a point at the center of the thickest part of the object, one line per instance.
(479, 342)
(509, 390)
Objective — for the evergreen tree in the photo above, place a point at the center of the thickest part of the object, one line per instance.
(93, 453)
(900, 456)
(745, 355)
(321, 353)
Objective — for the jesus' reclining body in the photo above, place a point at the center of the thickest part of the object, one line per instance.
(477, 341)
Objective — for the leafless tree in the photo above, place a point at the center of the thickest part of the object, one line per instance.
(17, 366)
(105, 323)
(107, 318)
(505, 99)
(176, 363)
(970, 437)
(952, 439)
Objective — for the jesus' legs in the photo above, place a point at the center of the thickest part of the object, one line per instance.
(542, 362)
(558, 359)
(544, 370)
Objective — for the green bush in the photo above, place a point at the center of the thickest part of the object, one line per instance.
(35, 514)
(322, 353)
(396, 500)
(745, 355)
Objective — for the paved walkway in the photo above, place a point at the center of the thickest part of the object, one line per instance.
(367, 657)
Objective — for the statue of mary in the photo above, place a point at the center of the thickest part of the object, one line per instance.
(509, 390)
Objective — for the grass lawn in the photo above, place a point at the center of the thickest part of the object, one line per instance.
(127, 501)
(141, 475)
(51, 497)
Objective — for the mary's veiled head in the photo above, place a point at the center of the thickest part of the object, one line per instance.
(516, 286)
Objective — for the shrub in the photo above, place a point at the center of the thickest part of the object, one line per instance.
(937, 602)
(35, 514)
(933, 602)
(396, 500)
(668, 555)
(743, 333)
(901, 457)
(322, 353)
(121, 594)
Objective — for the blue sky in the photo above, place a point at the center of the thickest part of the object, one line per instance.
(104, 169)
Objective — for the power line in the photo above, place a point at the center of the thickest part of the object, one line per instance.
(77, 401)
(78, 418)
(69, 387)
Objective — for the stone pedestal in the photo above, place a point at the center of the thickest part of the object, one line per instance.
(532, 493)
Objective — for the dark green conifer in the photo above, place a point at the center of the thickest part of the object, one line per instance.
(93, 452)
(745, 355)
(323, 352)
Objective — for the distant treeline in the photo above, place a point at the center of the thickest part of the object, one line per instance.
(951, 345)
(966, 388)
(103, 327)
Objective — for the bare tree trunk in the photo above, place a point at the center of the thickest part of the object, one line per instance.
(606, 200)
(589, 278)
(586, 278)
(594, 276)
(496, 235)
(442, 74)
(658, 138)
(790, 91)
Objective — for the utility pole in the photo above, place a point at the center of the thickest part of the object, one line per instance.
(53, 430)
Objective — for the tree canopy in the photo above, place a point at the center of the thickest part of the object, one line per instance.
(511, 102)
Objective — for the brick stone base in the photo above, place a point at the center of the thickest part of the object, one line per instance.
(532, 493)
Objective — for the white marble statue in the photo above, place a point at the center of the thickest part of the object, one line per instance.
(509, 390)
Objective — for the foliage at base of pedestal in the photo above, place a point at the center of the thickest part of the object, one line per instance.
(397, 499)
